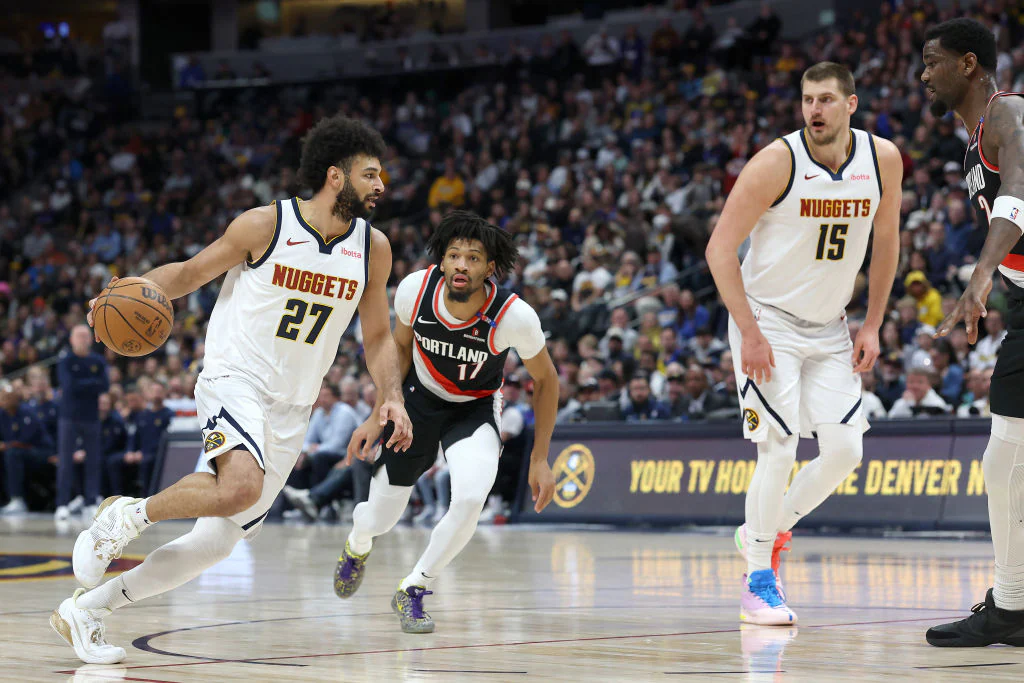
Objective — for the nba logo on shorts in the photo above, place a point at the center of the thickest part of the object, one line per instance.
(751, 419)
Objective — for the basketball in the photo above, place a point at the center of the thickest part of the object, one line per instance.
(133, 317)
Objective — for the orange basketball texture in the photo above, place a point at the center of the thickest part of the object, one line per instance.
(133, 317)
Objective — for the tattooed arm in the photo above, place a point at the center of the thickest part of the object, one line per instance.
(1004, 143)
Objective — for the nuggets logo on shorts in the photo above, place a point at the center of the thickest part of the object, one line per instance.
(213, 440)
(751, 419)
(574, 475)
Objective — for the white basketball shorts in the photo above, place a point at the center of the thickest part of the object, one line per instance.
(812, 382)
(235, 414)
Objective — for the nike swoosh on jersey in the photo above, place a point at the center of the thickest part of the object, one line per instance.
(425, 322)
(292, 244)
(811, 177)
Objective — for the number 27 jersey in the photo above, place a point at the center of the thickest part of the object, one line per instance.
(806, 250)
(279, 319)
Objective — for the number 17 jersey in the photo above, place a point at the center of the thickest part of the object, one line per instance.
(806, 250)
(279, 319)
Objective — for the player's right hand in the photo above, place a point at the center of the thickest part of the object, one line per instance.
(364, 440)
(756, 357)
(92, 305)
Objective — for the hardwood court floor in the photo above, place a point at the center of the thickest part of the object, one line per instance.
(522, 603)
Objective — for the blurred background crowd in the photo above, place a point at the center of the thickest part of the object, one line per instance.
(608, 159)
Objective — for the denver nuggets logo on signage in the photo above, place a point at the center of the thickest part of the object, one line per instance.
(28, 567)
(214, 440)
(751, 419)
(574, 475)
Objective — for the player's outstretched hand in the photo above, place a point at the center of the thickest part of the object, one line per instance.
(364, 440)
(865, 350)
(92, 305)
(969, 308)
(394, 411)
(757, 358)
(542, 483)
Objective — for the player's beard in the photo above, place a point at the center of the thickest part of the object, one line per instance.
(464, 295)
(938, 108)
(348, 204)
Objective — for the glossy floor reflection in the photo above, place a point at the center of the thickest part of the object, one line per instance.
(521, 603)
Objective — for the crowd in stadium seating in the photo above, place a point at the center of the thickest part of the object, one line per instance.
(609, 161)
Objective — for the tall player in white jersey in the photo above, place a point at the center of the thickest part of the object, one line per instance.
(808, 202)
(454, 328)
(297, 272)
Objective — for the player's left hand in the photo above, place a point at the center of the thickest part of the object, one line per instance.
(865, 349)
(970, 308)
(394, 411)
(542, 483)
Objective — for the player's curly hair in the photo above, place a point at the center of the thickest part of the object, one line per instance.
(336, 141)
(465, 225)
(963, 35)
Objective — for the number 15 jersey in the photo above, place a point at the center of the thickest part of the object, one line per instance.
(278, 319)
(806, 250)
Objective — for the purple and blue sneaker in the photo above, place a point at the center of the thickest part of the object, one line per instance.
(408, 604)
(348, 573)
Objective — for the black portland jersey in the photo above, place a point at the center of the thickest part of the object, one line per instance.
(983, 184)
(460, 357)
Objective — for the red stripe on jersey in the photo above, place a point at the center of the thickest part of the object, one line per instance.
(446, 383)
(497, 320)
(1014, 262)
(469, 323)
(419, 297)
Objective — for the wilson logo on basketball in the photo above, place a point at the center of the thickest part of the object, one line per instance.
(153, 295)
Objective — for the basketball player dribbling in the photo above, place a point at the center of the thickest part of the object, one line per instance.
(297, 272)
(808, 202)
(959, 74)
(454, 327)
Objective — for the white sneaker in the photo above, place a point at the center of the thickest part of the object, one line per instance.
(15, 507)
(89, 512)
(301, 500)
(104, 540)
(76, 505)
(83, 630)
(62, 513)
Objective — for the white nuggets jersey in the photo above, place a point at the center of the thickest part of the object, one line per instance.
(278, 320)
(806, 250)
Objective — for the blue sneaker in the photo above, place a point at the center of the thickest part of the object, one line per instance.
(348, 573)
(761, 602)
(408, 604)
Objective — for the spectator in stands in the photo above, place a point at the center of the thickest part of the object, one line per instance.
(557, 318)
(642, 406)
(350, 394)
(975, 403)
(25, 446)
(691, 315)
(890, 386)
(40, 399)
(704, 348)
(330, 428)
(920, 399)
(146, 426)
(873, 406)
(671, 351)
(928, 299)
(448, 189)
(83, 377)
(908, 321)
(950, 374)
(984, 354)
(113, 436)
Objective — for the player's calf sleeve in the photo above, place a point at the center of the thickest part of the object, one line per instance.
(1003, 464)
(169, 566)
(379, 513)
(775, 458)
(840, 449)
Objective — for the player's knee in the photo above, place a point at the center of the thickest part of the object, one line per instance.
(842, 445)
(468, 505)
(238, 493)
(777, 450)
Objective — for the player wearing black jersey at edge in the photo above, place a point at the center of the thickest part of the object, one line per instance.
(454, 327)
(959, 74)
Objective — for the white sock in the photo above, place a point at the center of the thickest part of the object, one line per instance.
(137, 513)
(381, 511)
(775, 458)
(169, 566)
(1003, 464)
(840, 449)
(473, 464)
